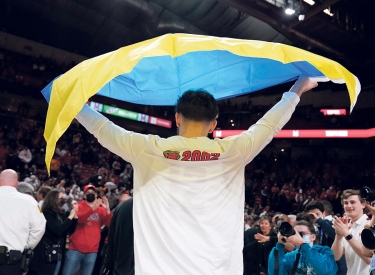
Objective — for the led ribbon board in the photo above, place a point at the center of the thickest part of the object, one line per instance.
(333, 112)
(362, 133)
(123, 113)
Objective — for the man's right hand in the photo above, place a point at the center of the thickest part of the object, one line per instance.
(303, 84)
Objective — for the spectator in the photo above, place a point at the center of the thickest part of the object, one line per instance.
(25, 188)
(116, 166)
(300, 199)
(34, 181)
(308, 200)
(264, 195)
(256, 253)
(309, 258)
(103, 171)
(292, 219)
(45, 261)
(41, 194)
(275, 189)
(55, 166)
(323, 195)
(328, 210)
(326, 233)
(120, 253)
(77, 170)
(75, 192)
(113, 197)
(93, 213)
(25, 155)
(365, 251)
(348, 234)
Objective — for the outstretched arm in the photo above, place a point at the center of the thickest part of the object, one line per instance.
(261, 133)
(119, 141)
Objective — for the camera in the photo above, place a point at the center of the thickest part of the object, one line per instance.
(368, 194)
(368, 237)
(285, 229)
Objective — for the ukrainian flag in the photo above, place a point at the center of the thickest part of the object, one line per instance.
(157, 71)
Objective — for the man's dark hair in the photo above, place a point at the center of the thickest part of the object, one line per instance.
(327, 207)
(314, 205)
(43, 190)
(304, 216)
(197, 106)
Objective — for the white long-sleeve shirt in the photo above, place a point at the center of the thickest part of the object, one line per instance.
(188, 192)
(22, 223)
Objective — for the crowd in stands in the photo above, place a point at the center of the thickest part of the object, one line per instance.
(272, 189)
(35, 73)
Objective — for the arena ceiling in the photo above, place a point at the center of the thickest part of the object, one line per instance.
(94, 27)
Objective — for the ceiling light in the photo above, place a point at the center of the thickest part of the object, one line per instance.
(301, 17)
(327, 11)
(310, 2)
(289, 11)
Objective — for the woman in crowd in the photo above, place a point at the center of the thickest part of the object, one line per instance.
(256, 253)
(308, 258)
(49, 251)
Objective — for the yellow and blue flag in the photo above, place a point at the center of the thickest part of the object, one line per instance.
(157, 71)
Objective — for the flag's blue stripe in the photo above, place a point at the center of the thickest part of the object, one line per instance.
(46, 92)
(160, 80)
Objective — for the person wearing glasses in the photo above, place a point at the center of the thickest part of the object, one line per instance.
(308, 258)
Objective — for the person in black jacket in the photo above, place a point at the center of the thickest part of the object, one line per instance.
(57, 228)
(326, 233)
(120, 253)
(256, 253)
